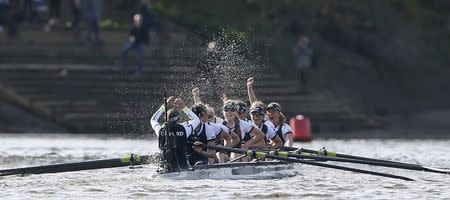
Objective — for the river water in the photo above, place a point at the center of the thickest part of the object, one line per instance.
(124, 183)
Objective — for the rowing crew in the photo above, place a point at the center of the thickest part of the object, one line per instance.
(265, 129)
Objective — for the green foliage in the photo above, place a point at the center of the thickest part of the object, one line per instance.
(158, 7)
(109, 24)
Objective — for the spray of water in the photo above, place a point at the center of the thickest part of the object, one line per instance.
(221, 65)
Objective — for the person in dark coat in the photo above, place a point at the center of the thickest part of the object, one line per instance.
(137, 38)
(305, 61)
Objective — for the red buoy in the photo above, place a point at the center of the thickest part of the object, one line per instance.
(301, 128)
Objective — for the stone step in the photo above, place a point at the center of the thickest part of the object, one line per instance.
(65, 38)
(172, 62)
(50, 86)
(111, 53)
(150, 74)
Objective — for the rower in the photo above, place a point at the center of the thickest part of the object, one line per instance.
(274, 116)
(242, 110)
(172, 136)
(210, 110)
(204, 134)
(272, 140)
(250, 136)
(282, 129)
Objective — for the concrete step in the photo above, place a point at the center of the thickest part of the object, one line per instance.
(37, 37)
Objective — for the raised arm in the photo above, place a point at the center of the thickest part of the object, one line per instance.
(196, 96)
(224, 97)
(179, 104)
(251, 92)
(154, 120)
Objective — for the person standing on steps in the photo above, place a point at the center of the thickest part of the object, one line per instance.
(137, 38)
(305, 60)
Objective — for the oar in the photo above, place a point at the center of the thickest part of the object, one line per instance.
(86, 165)
(238, 158)
(386, 163)
(262, 155)
(367, 162)
(326, 152)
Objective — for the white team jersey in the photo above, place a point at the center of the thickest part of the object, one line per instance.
(270, 134)
(269, 124)
(189, 127)
(284, 128)
(218, 120)
(244, 126)
(217, 128)
(209, 130)
(210, 134)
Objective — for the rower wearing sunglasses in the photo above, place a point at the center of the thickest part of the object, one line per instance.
(223, 135)
(250, 136)
(203, 133)
(273, 115)
(272, 140)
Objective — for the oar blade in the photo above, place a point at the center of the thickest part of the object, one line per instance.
(436, 170)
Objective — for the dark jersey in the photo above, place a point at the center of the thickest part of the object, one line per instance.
(173, 147)
(197, 136)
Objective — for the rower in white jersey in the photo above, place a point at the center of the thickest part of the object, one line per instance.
(242, 110)
(272, 140)
(218, 131)
(223, 135)
(210, 110)
(250, 136)
(204, 134)
(282, 129)
(274, 115)
(240, 106)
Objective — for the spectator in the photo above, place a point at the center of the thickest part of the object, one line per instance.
(137, 38)
(305, 60)
(92, 12)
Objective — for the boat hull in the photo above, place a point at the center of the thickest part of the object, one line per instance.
(239, 170)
